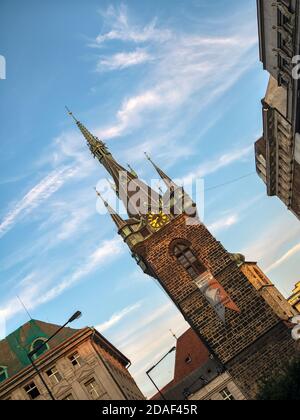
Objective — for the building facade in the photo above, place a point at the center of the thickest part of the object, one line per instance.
(268, 291)
(294, 300)
(241, 330)
(278, 150)
(76, 365)
(197, 375)
(222, 388)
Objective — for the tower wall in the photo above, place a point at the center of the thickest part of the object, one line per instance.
(240, 343)
(262, 358)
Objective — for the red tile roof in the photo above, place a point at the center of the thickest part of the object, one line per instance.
(191, 354)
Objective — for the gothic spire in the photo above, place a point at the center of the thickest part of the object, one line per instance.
(93, 142)
(167, 180)
(137, 197)
(120, 223)
(175, 199)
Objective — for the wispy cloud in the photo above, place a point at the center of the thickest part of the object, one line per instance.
(123, 60)
(105, 253)
(218, 163)
(36, 196)
(187, 65)
(74, 222)
(290, 253)
(130, 113)
(148, 339)
(224, 223)
(123, 30)
(267, 248)
(35, 292)
(28, 290)
(117, 317)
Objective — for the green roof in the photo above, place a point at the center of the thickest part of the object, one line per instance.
(15, 347)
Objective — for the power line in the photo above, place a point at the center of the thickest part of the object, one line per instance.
(230, 182)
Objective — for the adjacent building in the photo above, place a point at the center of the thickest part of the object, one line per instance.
(278, 150)
(243, 332)
(294, 300)
(197, 376)
(76, 365)
(267, 290)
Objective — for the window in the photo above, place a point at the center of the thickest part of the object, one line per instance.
(226, 395)
(145, 232)
(54, 376)
(187, 259)
(69, 398)
(32, 391)
(188, 359)
(36, 344)
(75, 359)
(3, 373)
(93, 389)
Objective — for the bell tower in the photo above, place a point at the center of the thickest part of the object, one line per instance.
(204, 280)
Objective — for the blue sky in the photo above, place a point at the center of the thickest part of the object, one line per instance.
(180, 80)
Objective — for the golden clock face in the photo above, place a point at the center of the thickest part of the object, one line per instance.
(157, 220)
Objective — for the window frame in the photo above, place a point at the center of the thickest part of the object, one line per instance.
(32, 347)
(227, 395)
(55, 377)
(185, 256)
(66, 398)
(3, 370)
(92, 381)
(78, 359)
(30, 389)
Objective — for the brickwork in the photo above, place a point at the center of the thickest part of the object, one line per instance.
(262, 358)
(226, 340)
(256, 317)
(268, 291)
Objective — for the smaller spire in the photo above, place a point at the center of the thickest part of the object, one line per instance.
(132, 171)
(120, 223)
(112, 185)
(167, 180)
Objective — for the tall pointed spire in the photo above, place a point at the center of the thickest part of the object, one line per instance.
(136, 196)
(93, 142)
(120, 223)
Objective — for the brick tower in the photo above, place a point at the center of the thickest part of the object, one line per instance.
(207, 284)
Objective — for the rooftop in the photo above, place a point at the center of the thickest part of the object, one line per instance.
(193, 367)
(15, 347)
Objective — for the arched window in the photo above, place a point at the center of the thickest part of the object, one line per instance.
(3, 373)
(185, 256)
(36, 344)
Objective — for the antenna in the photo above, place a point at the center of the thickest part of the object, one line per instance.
(147, 156)
(25, 309)
(70, 113)
(173, 335)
